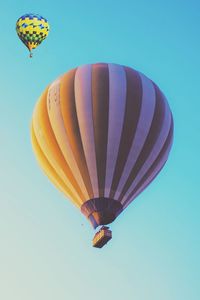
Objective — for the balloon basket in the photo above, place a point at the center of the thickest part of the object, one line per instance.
(102, 237)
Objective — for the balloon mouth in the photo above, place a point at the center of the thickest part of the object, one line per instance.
(98, 218)
(101, 211)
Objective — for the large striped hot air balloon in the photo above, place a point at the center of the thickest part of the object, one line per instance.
(102, 132)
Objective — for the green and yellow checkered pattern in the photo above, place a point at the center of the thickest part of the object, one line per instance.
(32, 30)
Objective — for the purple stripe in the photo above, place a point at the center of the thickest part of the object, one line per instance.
(131, 117)
(100, 106)
(83, 98)
(154, 170)
(163, 133)
(117, 101)
(143, 127)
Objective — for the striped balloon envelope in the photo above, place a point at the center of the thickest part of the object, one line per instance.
(101, 133)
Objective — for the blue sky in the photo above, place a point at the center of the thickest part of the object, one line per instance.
(46, 248)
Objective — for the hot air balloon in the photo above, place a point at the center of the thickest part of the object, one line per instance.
(32, 29)
(101, 133)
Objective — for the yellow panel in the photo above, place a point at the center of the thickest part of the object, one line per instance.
(47, 142)
(47, 168)
(58, 127)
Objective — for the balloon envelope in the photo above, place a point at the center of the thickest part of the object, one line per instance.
(32, 29)
(102, 132)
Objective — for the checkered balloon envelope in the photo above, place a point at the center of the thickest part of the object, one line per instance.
(32, 29)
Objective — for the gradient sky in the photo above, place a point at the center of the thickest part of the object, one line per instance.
(46, 251)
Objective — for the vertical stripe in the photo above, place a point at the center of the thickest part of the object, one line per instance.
(58, 127)
(143, 127)
(49, 171)
(153, 170)
(117, 101)
(69, 114)
(154, 143)
(83, 99)
(132, 113)
(100, 101)
(49, 146)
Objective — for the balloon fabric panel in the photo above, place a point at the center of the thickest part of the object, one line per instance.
(70, 120)
(51, 150)
(45, 165)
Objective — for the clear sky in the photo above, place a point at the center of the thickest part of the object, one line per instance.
(45, 251)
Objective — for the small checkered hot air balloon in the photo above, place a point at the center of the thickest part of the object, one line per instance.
(32, 29)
